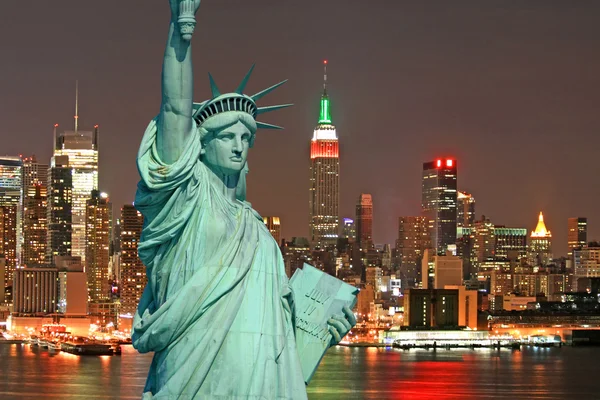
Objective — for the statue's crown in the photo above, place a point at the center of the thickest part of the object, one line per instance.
(236, 101)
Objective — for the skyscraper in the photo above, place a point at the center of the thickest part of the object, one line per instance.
(465, 210)
(413, 239)
(35, 225)
(133, 272)
(60, 184)
(274, 226)
(98, 217)
(364, 221)
(439, 199)
(324, 192)
(33, 214)
(540, 247)
(577, 234)
(11, 198)
(349, 230)
(82, 149)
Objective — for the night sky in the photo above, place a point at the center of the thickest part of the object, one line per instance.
(509, 88)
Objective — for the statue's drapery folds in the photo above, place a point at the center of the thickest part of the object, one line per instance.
(217, 310)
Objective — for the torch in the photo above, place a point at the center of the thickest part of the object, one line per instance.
(186, 19)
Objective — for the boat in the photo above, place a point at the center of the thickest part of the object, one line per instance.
(54, 346)
(90, 348)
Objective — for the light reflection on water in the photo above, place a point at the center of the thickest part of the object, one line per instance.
(346, 373)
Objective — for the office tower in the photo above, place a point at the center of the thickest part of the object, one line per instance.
(364, 221)
(35, 291)
(81, 147)
(447, 271)
(587, 265)
(295, 254)
(349, 230)
(484, 241)
(465, 210)
(11, 198)
(34, 175)
(511, 243)
(133, 272)
(274, 226)
(413, 239)
(577, 234)
(540, 247)
(431, 308)
(59, 209)
(324, 192)
(72, 293)
(35, 224)
(98, 221)
(439, 198)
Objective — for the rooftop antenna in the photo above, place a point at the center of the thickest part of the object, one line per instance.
(325, 77)
(55, 145)
(76, 104)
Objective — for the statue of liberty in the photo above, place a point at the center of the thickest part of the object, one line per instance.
(218, 311)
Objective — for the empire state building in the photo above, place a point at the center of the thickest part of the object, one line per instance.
(324, 197)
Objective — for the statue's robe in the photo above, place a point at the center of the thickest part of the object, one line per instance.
(217, 309)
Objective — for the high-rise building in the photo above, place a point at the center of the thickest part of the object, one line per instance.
(274, 226)
(11, 197)
(59, 209)
(511, 243)
(349, 230)
(36, 291)
(587, 265)
(133, 272)
(439, 199)
(35, 175)
(324, 196)
(364, 221)
(465, 210)
(413, 239)
(295, 254)
(540, 246)
(82, 149)
(484, 241)
(35, 225)
(98, 217)
(577, 234)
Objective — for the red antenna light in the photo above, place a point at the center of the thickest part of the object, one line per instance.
(449, 163)
(56, 125)
(325, 62)
(439, 163)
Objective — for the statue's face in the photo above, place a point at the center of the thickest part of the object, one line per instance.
(226, 152)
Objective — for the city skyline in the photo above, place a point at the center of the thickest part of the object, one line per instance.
(526, 148)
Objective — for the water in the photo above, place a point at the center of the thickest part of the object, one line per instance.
(346, 373)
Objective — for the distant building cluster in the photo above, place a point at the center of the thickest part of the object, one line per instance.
(62, 255)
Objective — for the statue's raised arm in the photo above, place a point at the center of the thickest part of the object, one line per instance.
(175, 118)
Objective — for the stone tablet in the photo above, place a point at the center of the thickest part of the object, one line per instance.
(317, 297)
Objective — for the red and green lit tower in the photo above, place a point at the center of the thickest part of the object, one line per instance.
(324, 197)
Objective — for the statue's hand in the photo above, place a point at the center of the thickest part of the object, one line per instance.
(339, 326)
(175, 7)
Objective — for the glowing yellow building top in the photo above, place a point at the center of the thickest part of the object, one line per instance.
(540, 229)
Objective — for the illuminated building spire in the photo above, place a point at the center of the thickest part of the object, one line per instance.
(540, 229)
(325, 115)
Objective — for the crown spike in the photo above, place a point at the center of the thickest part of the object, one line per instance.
(263, 125)
(267, 91)
(242, 87)
(213, 87)
(262, 110)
